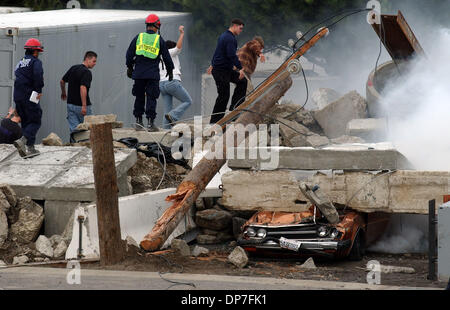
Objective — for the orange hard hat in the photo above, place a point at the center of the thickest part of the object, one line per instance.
(153, 19)
(34, 44)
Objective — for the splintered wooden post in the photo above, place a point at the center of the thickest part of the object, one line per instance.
(111, 251)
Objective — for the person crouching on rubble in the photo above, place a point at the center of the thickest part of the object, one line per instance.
(10, 129)
(248, 56)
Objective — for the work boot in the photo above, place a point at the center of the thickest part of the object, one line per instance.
(151, 125)
(139, 124)
(170, 119)
(31, 151)
(20, 146)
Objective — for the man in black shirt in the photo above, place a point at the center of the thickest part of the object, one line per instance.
(79, 78)
(10, 129)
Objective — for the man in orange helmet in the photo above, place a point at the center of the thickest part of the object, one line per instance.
(29, 81)
(142, 59)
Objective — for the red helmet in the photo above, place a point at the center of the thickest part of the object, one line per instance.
(34, 44)
(153, 19)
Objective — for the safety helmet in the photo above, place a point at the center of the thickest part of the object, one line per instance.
(153, 20)
(34, 44)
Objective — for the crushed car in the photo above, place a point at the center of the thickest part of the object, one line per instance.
(323, 230)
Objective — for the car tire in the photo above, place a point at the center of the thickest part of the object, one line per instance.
(358, 249)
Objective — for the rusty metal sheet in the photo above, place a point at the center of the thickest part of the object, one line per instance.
(398, 37)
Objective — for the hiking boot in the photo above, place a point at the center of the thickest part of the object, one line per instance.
(170, 119)
(151, 125)
(139, 124)
(20, 146)
(31, 151)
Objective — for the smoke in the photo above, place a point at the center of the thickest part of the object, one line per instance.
(406, 233)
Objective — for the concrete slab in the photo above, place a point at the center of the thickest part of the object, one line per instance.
(369, 129)
(163, 137)
(138, 214)
(393, 192)
(58, 173)
(57, 214)
(379, 156)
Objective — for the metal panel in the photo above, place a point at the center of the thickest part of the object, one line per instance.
(444, 242)
(7, 50)
(111, 89)
(397, 37)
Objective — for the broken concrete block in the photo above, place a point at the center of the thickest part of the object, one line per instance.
(207, 239)
(317, 141)
(347, 140)
(9, 194)
(55, 240)
(293, 133)
(2, 263)
(44, 246)
(334, 118)
(238, 222)
(369, 129)
(200, 251)
(39, 259)
(308, 264)
(60, 249)
(23, 259)
(98, 119)
(52, 140)
(4, 204)
(181, 246)
(213, 219)
(30, 219)
(131, 242)
(293, 112)
(3, 228)
(199, 204)
(238, 257)
(323, 97)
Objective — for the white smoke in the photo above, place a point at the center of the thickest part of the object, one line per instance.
(406, 233)
(418, 108)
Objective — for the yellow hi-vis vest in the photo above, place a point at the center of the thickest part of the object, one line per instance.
(147, 45)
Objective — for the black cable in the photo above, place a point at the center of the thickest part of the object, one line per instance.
(175, 283)
(307, 96)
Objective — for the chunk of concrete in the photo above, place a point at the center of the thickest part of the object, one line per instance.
(238, 257)
(347, 140)
(200, 251)
(308, 264)
(181, 247)
(323, 97)
(369, 129)
(31, 217)
(294, 134)
(392, 192)
(18, 260)
(213, 219)
(52, 140)
(334, 117)
(4, 204)
(2, 263)
(3, 228)
(44, 246)
(131, 242)
(9, 193)
(379, 156)
(60, 249)
(55, 240)
(317, 141)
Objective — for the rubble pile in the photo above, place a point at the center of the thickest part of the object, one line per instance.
(21, 221)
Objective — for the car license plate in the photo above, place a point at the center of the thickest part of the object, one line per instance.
(293, 245)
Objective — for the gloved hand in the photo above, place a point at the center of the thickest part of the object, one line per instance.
(170, 75)
(130, 72)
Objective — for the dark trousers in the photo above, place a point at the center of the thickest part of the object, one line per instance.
(30, 114)
(223, 78)
(142, 88)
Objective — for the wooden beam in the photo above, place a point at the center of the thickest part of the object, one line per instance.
(105, 177)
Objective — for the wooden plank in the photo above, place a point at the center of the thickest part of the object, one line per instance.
(107, 193)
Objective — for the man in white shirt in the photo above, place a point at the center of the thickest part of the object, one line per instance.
(170, 89)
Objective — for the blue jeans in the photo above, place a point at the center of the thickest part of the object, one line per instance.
(74, 116)
(170, 89)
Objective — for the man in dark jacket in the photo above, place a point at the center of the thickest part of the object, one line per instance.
(144, 53)
(27, 93)
(10, 129)
(222, 68)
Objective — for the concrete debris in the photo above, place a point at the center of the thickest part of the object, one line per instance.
(395, 269)
(60, 249)
(213, 219)
(334, 117)
(180, 170)
(44, 246)
(52, 140)
(39, 259)
(30, 219)
(308, 264)
(369, 129)
(97, 119)
(131, 242)
(347, 140)
(317, 141)
(323, 97)
(238, 257)
(207, 239)
(199, 204)
(294, 112)
(200, 251)
(9, 193)
(3, 228)
(208, 202)
(55, 240)
(238, 222)
(293, 133)
(2, 263)
(18, 260)
(4, 204)
(181, 247)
